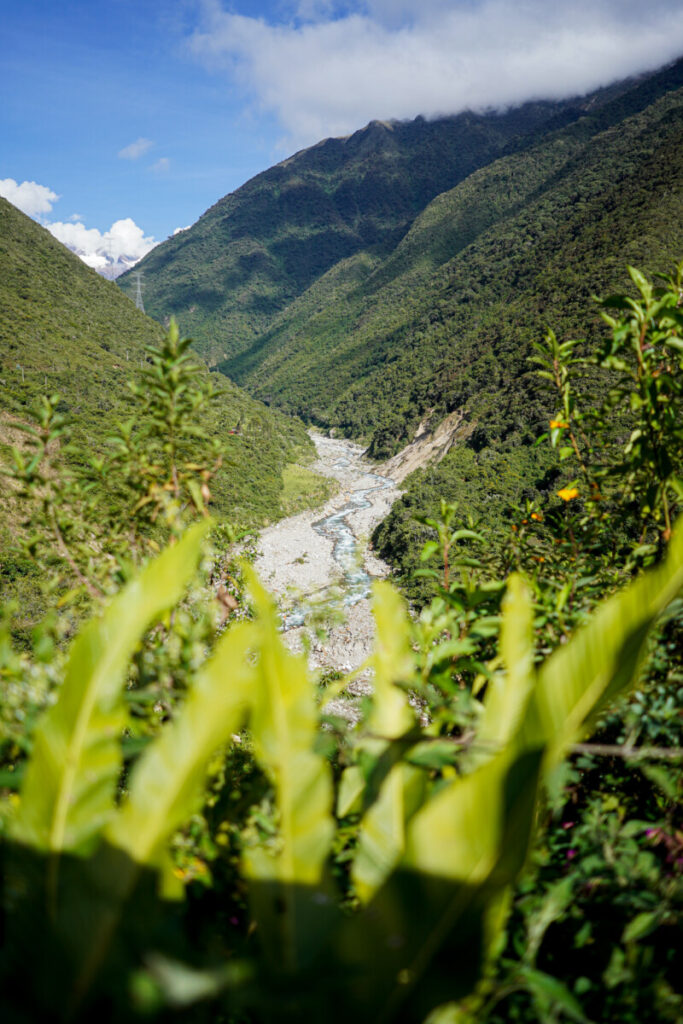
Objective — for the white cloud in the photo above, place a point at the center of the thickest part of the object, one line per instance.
(178, 230)
(29, 197)
(135, 149)
(110, 252)
(330, 69)
(161, 166)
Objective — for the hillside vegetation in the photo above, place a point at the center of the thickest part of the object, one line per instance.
(496, 839)
(256, 250)
(467, 237)
(65, 330)
(446, 320)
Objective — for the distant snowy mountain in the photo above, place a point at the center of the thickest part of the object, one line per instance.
(111, 252)
(109, 267)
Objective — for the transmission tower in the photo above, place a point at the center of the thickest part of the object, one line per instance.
(138, 291)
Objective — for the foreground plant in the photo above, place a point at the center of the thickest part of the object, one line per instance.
(436, 855)
(91, 519)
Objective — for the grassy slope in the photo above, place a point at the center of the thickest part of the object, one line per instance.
(261, 247)
(445, 322)
(65, 329)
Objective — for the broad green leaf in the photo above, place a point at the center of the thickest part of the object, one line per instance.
(464, 848)
(351, 786)
(553, 906)
(640, 281)
(167, 781)
(392, 661)
(434, 754)
(381, 839)
(68, 793)
(602, 659)
(641, 925)
(166, 786)
(288, 888)
(458, 833)
(466, 535)
(284, 727)
(429, 548)
(507, 694)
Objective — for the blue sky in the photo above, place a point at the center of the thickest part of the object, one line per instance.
(88, 78)
(143, 113)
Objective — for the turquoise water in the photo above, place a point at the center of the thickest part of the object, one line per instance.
(356, 582)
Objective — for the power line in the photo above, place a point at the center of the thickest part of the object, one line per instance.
(138, 291)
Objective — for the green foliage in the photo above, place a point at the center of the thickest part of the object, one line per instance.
(87, 523)
(248, 258)
(445, 321)
(163, 456)
(76, 758)
(441, 894)
(428, 875)
(187, 830)
(644, 354)
(287, 874)
(302, 488)
(576, 547)
(67, 332)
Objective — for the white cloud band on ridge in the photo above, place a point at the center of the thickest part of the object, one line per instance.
(324, 74)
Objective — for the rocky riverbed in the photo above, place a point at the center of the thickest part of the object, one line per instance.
(319, 565)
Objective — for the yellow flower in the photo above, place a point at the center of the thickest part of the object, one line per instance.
(568, 493)
(557, 423)
(537, 516)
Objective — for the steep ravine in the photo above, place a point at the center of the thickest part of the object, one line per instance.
(320, 560)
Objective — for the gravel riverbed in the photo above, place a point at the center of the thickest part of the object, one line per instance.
(297, 562)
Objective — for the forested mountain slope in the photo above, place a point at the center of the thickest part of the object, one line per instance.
(445, 323)
(256, 250)
(436, 312)
(64, 329)
(229, 277)
(446, 320)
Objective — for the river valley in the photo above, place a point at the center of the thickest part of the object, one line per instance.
(319, 566)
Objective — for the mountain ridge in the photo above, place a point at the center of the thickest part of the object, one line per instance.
(231, 274)
(65, 329)
(265, 243)
(302, 364)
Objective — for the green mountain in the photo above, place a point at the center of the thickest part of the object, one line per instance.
(445, 321)
(64, 329)
(469, 236)
(346, 282)
(250, 255)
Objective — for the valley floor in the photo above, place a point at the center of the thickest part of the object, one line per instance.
(319, 566)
